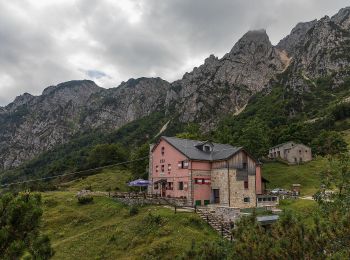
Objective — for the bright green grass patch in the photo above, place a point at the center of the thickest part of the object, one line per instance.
(104, 229)
(306, 209)
(114, 179)
(302, 206)
(307, 174)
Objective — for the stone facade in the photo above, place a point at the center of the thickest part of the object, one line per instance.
(292, 152)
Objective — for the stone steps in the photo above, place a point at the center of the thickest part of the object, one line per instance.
(221, 228)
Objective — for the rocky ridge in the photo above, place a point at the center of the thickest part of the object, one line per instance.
(34, 124)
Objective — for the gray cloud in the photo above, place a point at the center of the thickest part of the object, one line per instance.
(48, 42)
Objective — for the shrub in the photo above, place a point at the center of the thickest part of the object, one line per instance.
(85, 199)
(133, 211)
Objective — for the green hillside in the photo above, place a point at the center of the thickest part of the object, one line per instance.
(113, 179)
(283, 176)
(105, 229)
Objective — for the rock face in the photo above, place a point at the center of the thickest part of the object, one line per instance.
(222, 86)
(316, 49)
(293, 40)
(34, 124)
(322, 50)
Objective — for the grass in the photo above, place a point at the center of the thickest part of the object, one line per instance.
(306, 209)
(104, 229)
(307, 174)
(114, 178)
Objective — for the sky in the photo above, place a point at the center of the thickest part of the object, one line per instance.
(44, 43)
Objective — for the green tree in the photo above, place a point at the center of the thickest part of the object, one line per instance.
(254, 137)
(191, 131)
(139, 168)
(105, 154)
(19, 227)
(329, 143)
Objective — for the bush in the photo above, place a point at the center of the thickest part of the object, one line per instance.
(85, 199)
(133, 211)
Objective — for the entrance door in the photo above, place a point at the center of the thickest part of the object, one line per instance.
(216, 193)
(163, 189)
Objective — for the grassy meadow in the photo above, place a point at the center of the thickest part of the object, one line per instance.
(105, 229)
(114, 179)
(307, 174)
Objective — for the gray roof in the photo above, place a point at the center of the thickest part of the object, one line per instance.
(189, 149)
(267, 220)
(283, 144)
(288, 145)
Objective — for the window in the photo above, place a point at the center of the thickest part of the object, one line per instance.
(246, 185)
(260, 199)
(305, 151)
(246, 199)
(202, 181)
(295, 159)
(169, 167)
(206, 148)
(170, 186)
(300, 159)
(198, 181)
(181, 185)
(244, 166)
(156, 186)
(156, 168)
(162, 150)
(279, 153)
(162, 168)
(299, 151)
(183, 164)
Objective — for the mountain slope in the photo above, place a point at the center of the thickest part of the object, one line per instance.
(225, 85)
(35, 124)
(299, 81)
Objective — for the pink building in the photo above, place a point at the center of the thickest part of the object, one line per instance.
(204, 173)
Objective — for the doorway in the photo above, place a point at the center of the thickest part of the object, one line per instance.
(163, 189)
(216, 195)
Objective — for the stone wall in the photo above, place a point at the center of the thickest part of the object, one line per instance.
(153, 201)
(219, 180)
(231, 186)
(228, 214)
(238, 192)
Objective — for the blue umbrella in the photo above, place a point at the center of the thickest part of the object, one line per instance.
(139, 183)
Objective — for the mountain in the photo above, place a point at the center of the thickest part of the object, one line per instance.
(221, 86)
(299, 80)
(33, 124)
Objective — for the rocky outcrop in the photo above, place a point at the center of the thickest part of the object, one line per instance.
(323, 51)
(223, 86)
(296, 36)
(132, 100)
(33, 124)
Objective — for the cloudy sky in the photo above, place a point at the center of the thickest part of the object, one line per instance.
(45, 42)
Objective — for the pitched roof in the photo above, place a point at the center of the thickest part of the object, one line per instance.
(189, 149)
(279, 145)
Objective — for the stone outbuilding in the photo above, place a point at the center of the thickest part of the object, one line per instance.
(291, 152)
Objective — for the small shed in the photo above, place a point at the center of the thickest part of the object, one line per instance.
(296, 188)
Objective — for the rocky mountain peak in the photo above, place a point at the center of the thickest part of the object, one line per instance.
(342, 18)
(72, 85)
(252, 42)
(296, 36)
(75, 91)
